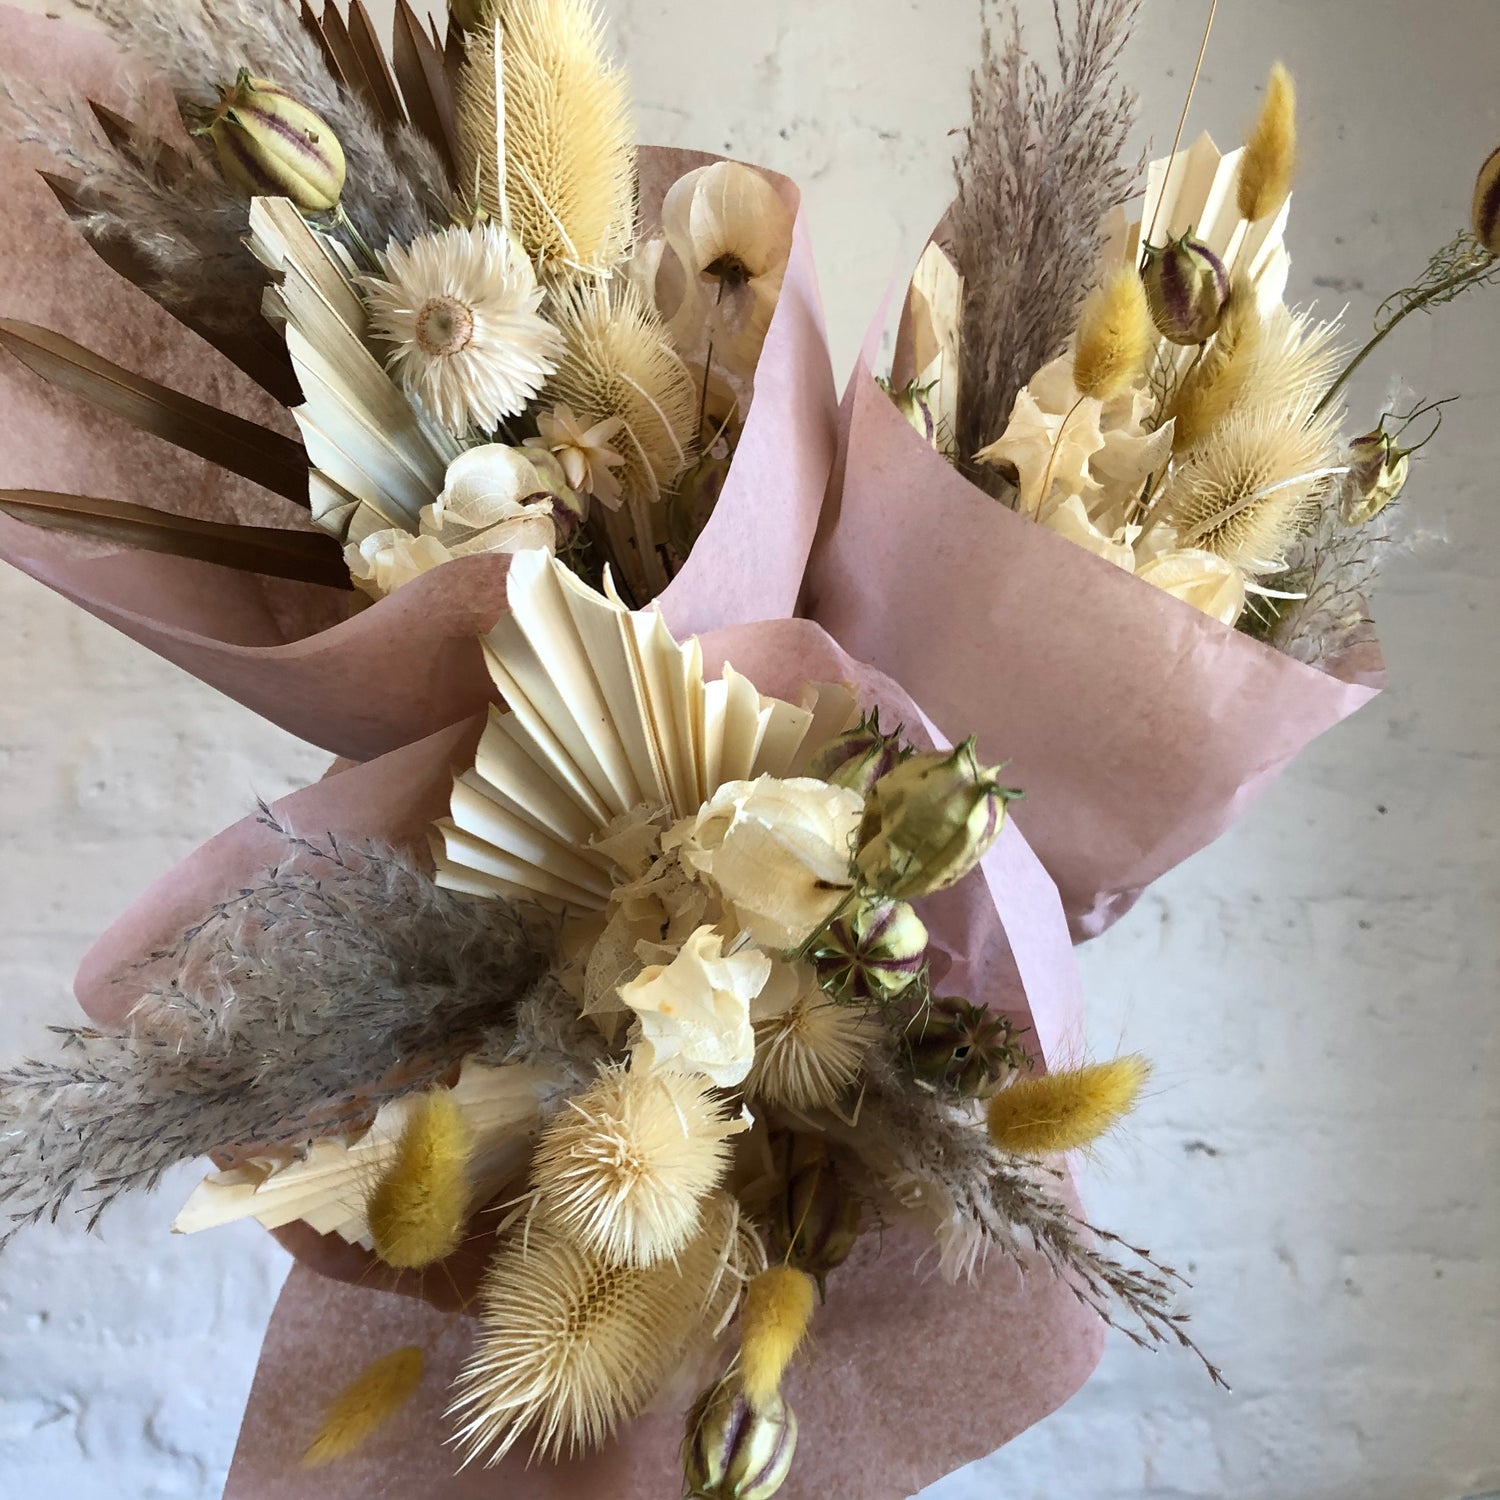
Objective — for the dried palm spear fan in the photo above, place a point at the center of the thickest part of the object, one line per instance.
(430, 257)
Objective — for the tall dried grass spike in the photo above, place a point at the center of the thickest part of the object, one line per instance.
(417, 1211)
(773, 1322)
(365, 1405)
(1065, 1110)
(625, 1168)
(1270, 158)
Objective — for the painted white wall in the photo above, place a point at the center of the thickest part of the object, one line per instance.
(1318, 990)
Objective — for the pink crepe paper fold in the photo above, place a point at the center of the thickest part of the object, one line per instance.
(1139, 728)
(406, 666)
(877, 1398)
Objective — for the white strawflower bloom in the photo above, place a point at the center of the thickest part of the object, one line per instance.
(459, 309)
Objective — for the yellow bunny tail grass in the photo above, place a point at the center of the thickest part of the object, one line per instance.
(569, 142)
(1115, 334)
(773, 1322)
(365, 1405)
(1217, 382)
(1270, 157)
(417, 1211)
(1062, 1111)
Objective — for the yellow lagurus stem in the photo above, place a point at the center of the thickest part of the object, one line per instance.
(778, 1307)
(365, 1405)
(1270, 157)
(1065, 1110)
(1114, 336)
(417, 1212)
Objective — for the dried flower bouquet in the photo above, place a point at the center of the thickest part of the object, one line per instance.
(1132, 463)
(469, 317)
(635, 1055)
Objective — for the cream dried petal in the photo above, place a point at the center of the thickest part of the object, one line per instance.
(385, 560)
(1071, 520)
(1047, 451)
(1202, 579)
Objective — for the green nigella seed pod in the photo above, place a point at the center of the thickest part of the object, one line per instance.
(859, 757)
(815, 1218)
(929, 821)
(960, 1048)
(271, 146)
(1487, 203)
(1187, 290)
(872, 953)
(1377, 474)
(732, 1451)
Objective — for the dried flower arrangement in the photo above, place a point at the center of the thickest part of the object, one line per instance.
(1123, 375)
(494, 322)
(658, 1030)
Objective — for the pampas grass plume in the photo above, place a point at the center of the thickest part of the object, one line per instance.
(1270, 157)
(1065, 1110)
(625, 1167)
(569, 152)
(773, 1322)
(365, 1405)
(417, 1211)
(1115, 334)
(569, 1346)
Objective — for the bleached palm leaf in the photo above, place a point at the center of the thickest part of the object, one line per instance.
(606, 713)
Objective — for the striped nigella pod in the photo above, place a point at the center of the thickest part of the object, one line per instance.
(1487, 203)
(1187, 289)
(873, 952)
(271, 146)
(732, 1451)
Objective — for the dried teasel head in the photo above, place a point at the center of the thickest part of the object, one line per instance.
(809, 1052)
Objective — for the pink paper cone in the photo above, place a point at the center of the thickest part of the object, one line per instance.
(406, 666)
(1139, 728)
(877, 1398)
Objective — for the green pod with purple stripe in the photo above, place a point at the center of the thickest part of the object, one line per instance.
(1487, 203)
(871, 953)
(270, 145)
(1187, 290)
(734, 1452)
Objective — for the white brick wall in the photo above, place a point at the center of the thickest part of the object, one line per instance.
(1317, 990)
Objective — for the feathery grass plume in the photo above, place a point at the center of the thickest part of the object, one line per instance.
(773, 1322)
(418, 1208)
(1115, 334)
(339, 979)
(365, 1405)
(625, 1168)
(1270, 158)
(569, 152)
(1252, 487)
(808, 1056)
(1041, 164)
(1067, 1109)
(396, 182)
(569, 1346)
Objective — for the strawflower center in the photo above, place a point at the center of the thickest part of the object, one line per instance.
(444, 326)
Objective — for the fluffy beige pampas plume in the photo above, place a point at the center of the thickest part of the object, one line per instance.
(625, 1167)
(569, 1347)
(566, 136)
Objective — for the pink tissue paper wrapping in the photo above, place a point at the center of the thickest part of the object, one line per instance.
(874, 1398)
(1139, 728)
(401, 669)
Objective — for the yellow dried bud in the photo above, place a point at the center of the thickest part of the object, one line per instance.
(1114, 336)
(1270, 157)
(271, 146)
(1487, 203)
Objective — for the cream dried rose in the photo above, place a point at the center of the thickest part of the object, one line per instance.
(778, 850)
(694, 1012)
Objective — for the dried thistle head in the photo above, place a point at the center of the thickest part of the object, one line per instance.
(809, 1055)
(569, 1346)
(1067, 1109)
(568, 139)
(618, 362)
(1270, 158)
(625, 1168)
(1114, 337)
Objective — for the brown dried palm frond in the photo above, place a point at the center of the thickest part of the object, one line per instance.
(338, 979)
(1041, 163)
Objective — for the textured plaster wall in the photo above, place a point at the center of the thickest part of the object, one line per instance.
(1318, 991)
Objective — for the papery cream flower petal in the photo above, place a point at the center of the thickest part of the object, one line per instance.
(1202, 579)
(458, 312)
(778, 851)
(584, 452)
(732, 234)
(1052, 387)
(694, 1012)
(385, 560)
(1127, 458)
(1047, 451)
(1071, 520)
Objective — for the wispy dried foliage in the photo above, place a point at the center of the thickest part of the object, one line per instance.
(339, 979)
(1042, 162)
